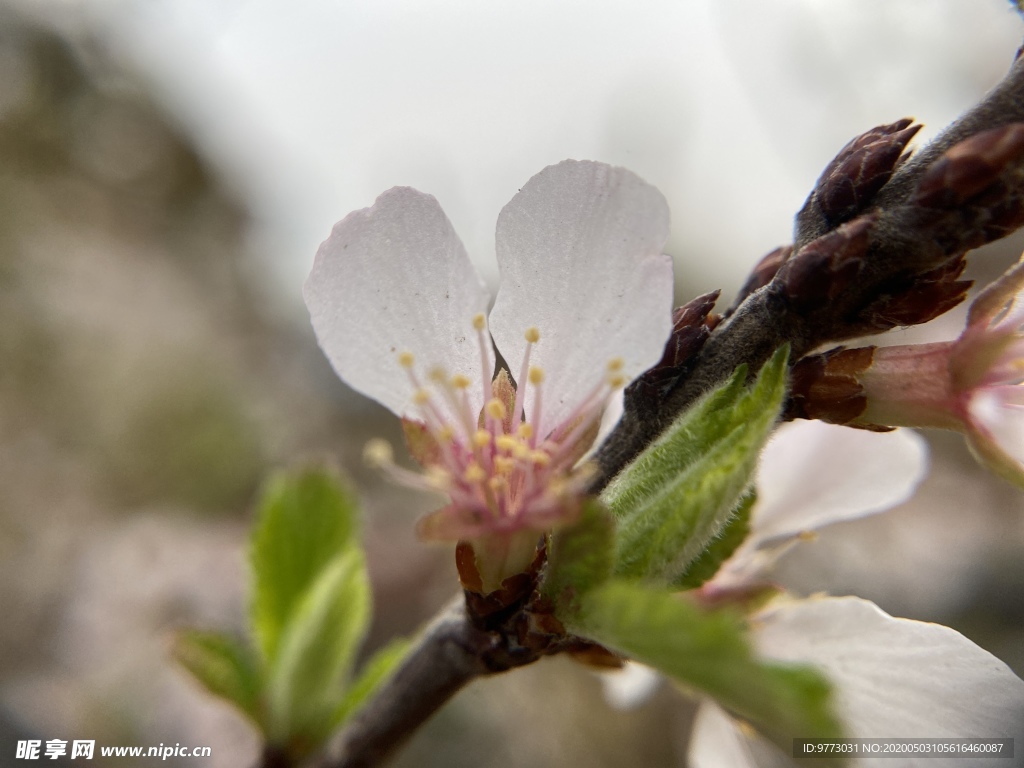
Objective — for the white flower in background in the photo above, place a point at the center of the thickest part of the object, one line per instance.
(892, 677)
(584, 306)
(973, 385)
(812, 474)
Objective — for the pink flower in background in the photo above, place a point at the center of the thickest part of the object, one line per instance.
(584, 306)
(972, 385)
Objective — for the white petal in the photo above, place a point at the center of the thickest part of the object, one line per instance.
(631, 686)
(718, 741)
(813, 474)
(895, 678)
(580, 253)
(395, 278)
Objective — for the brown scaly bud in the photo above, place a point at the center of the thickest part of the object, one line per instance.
(825, 267)
(692, 323)
(593, 655)
(762, 274)
(928, 296)
(850, 182)
(971, 167)
(826, 386)
(974, 193)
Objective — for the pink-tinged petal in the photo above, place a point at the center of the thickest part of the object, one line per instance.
(718, 741)
(896, 678)
(1001, 301)
(1006, 362)
(996, 431)
(1006, 396)
(813, 474)
(631, 686)
(395, 278)
(580, 252)
(1013, 320)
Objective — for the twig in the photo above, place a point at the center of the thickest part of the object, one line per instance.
(450, 653)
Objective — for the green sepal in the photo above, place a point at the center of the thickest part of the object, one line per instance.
(226, 667)
(679, 495)
(708, 652)
(305, 520)
(372, 674)
(580, 557)
(316, 651)
(720, 549)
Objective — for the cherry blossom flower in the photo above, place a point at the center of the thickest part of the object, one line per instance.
(892, 677)
(584, 306)
(973, 385)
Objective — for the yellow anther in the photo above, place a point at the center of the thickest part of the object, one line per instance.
(479, 321)
(532, 334)
(497, 483)
(617, 381)
(438, 479)
(521, 452)
(421, 397)
(378, 453)
(536, 375)
(504, 465)
(746, 729)
(405, 359)
(496, 409)
(474, 473)
(525, 431)
(615, 364)
(446, 434)
(506, 443)
(460, 382)
(438, 375)
(540, 458)
(481, 438)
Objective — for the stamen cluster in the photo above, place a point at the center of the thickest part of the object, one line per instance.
(500, 473)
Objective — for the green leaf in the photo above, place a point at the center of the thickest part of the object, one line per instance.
(306, 519)
(227, 668)
(580, 556)
(720, 549)
(708, 651)
(680, 494)
(316, 652)
(371, 676)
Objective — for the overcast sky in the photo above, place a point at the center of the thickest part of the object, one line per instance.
(730, 107)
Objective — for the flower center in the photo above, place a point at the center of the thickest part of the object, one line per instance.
(500, 472)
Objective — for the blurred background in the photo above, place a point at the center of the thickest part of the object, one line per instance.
(167, 170)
